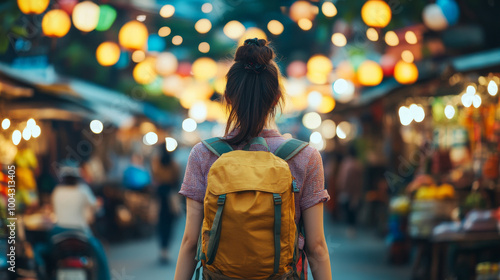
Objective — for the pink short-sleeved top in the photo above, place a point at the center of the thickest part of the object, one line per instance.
(306, 167)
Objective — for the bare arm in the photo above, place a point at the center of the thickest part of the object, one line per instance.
(316, 247)
(186, 263)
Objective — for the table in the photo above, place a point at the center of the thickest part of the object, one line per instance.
(440, 242)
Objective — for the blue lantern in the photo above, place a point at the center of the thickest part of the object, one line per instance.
(156, 43)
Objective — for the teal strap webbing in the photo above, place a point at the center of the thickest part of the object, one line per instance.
(277, 232)
(290, 148)
(217, 146)
(213, 242)
(197, 272)
(256, 141)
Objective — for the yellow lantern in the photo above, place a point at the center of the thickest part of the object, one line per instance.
(376, 13)
(204, 69)
(33, 7)
(56, 23)
(144, 72)
(234, 29)
(405, 73)
(86, 16)
(319, 63)
(303, 9)
(370, 73)
(107, 53)
(327, 105)
(251, 33)
(133, 35)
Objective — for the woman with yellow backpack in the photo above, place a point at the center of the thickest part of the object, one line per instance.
(254, 198)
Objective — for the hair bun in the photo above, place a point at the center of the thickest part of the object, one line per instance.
(254, 51)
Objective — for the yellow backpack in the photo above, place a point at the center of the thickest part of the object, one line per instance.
(249, 229)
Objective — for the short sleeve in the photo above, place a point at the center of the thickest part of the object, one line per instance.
(194, 179)
(89, 195)
(313, 188)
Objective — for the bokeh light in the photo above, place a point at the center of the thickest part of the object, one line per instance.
(376, 13)
(96, 126)
(405, 73)
(167, 11)
(275, 27)
(150, 138)
(372, 34)
(86, 16)
(170, 144)
(107, 53)
(203, 26)
(56, 23)
(189, 125)
(311, 120)
(234, 29)
(391, 38)
(133, 35)
(339, 39)
(329, 9)
(5, 123)
(16, 137)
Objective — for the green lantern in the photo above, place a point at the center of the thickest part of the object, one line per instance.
(106, 17)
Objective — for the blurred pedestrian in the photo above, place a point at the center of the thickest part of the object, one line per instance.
(166, 177)
(350, 188)
(252, 95)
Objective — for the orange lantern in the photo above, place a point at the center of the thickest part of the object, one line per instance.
(370, 73)
(405, 73)
(33, 7)
(133, 35)
(108, 53)
(376, 13)
(56, 23)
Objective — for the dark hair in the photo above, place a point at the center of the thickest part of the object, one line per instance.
(70, 180)
(253, 90)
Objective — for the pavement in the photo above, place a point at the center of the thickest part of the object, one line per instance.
(360, 258)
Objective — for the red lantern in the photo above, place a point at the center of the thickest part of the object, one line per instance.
(388, 62)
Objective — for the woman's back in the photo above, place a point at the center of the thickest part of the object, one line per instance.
(306, 167)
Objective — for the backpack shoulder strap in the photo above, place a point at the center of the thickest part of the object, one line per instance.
(290, 148)
(217, 146)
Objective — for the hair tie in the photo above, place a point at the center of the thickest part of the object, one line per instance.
(255, 67)
(253, 41)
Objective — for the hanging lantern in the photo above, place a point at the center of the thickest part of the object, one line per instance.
(133, 35)
(303, 10)
(33, 7)
(251, 33)
(405, 73)
(376, 13)
(204, 68)
(86, 16)
(144, 72)
(234, 29)
(434, 18)
(108, 53)
(370, 73)
(156, 43)
(107, 16)
(56, 23)
(67, 5)
(166, 64)
(296, 69)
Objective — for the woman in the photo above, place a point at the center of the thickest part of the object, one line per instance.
(166, 176)
(252, 95)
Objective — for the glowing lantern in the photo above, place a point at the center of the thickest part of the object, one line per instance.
(275, 27)
(56, 23)
(318, 69)
(67, 5)
(144, 72)
(86, 16)
(388, 62)
(108, 53)
(253, 32)
(203, 26)
(302, 9)
(327, 105)
(107, 16)
(376, 13)
(184, 69)
(156, 43)
(234, 29)
(166, 64)
(33, 7)
(345, 70)
(204, 69)
(370, 73)
(405, 73)
(133, 35)
(296, 69)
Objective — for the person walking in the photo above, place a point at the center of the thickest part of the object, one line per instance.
(166, 177)
(253, 95)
